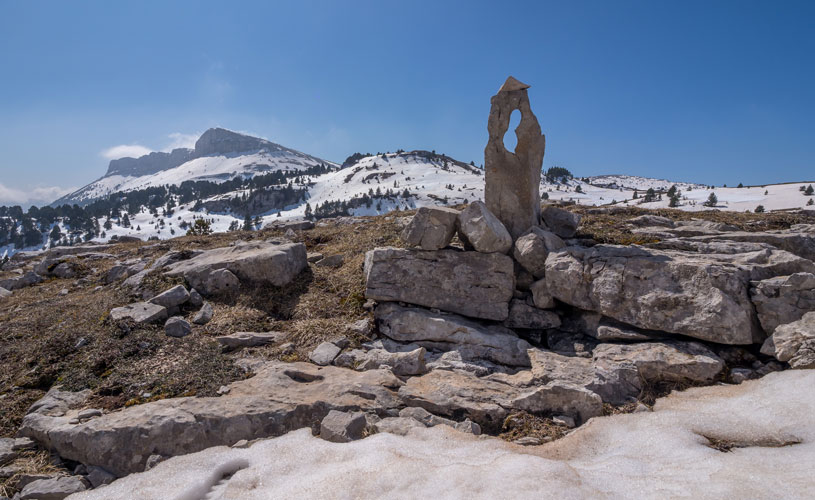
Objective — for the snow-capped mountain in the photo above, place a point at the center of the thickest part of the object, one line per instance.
(219, 155)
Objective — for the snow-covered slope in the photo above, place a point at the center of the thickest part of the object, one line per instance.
(632, 182)
(219, 155)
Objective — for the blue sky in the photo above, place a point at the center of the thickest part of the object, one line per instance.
(705, 91)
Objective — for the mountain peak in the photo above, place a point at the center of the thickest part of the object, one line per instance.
(219, 141)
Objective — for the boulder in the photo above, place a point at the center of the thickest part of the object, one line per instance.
(432, 228)
(787, 339)
(28, 279)
(783, 299)
(302, 394)
(532, 249)
(446, 332)
(470, 283)
(343, 427)
(512, 179)
(204, 315)
(482, 230)
(139, 312)
(240, 340)
(804, 357)
(173, 297)
(221, 281)
(399, 426)
(324, 354)
(177, 327)
(794, 241)
(401, 363)
(650, 221)
(666, 361)
(561, 222)
(196, 300)
(541, 296)
(699, 295)
(522, 315)
(52, 489)
(269, 262)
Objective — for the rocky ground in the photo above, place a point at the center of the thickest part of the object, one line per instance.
(170, 348)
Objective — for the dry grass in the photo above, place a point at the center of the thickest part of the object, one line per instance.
(521, 424)
(28, 463)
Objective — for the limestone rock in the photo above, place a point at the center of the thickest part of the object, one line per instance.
(221, 281)
(522, 315)
(794, 241)
(699, 295)
(482, 230)
(204, 315)
(333, 261)
(787, 339)
(196, 300)
(324, 354)
(400, 426)
(28, 279)
(7, 451)
(512, 191)
(303, 394)
(401, 363)
(240, 340)
(532, 249)
(52, 489)
(139, 312)
(4, 293)
(674, 361)
(541, 296)
(173, 297)
(177, 327)
(783, 299)
(804, 357)
(470, 283)
(447, 332)
(271, 262)
(98, 476)
(430, 420)
(561, 222)
(432, 228)
(651, 221)
(343, 427)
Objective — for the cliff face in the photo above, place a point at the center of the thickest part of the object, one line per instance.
(149, 164)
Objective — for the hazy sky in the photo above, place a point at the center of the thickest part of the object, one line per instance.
(704, 91)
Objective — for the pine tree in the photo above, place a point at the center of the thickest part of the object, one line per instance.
(809, 190)
(309, 214)
(759, 209)
(712, 200)
(247, 223)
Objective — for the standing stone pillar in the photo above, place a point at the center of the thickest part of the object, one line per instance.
(512, 190)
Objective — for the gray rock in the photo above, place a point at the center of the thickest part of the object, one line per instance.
(432, 228)
(564, 420)
(139, 312)
(561, 222)
(606, 329)
(532, 249)
(64, 270)
(221, 281)
(673, 361)
(651, 221)
(429, 420)
(295, 225)
(699, 295)
(280, 397)
(313, 257)
(804, 357)
(522, 315)
(482, 230)
(793, 241)
(196, 300)
(324, 354)
(343, 427)
(401, 363)
(177, 327)
(89, 413)
(116, 273)
(240, 340)
(470, 283)
(783, 299)
(400, 426)
(173, 297)
(28, 279)
(98, 476)
(5, 293)
(136, 280)
(787, 339)
(739, 375)
(446, 332)
(52, 489)
(333, 261)
(204, 315)
(528, 441)
(7, 451)
(512, 191)
(269, 262)
(541, 296)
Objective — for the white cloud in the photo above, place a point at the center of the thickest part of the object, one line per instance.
(179, 140)
(125, 150)
(39, 196)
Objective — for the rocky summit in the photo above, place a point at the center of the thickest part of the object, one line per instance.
(543, 340)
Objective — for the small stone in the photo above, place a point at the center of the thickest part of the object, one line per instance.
(324, 354)
(64, 292)
(204, 315)
(313, 257)
(23, 443)
(153, 460)
(98, 476)
(82, 342)
(89, 413)
(177, 327)
(532, 248)
(139, 312)
(739, 375)
(561, 222)
(175, 296)
(641, 408)
(333, 261)
(528, 441)
(241, 444)
(196, 300)
(342, 427)
(362, 328)
(564, 420)
(239, 340)
(52, 489)
(481, 229)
